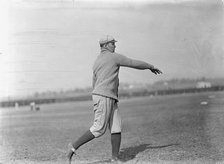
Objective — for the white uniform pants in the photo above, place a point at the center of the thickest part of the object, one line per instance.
(105, 115)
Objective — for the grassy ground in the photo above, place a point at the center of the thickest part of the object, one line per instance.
(163, 129)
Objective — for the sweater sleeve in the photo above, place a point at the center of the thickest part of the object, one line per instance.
(132, 63)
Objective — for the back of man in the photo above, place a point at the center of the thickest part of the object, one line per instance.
(105, 75)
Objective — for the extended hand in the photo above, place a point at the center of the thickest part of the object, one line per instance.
(156, 71)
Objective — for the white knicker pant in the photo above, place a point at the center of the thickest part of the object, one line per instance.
(105, 113)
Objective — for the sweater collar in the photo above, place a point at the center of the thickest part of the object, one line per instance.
(105, 50)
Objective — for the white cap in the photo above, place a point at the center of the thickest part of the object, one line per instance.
(106, 39)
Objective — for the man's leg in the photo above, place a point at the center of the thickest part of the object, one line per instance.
(102, 107)
(115, 142)
(115, 128)
(86, 137)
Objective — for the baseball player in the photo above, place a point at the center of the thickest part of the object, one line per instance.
(105, 95)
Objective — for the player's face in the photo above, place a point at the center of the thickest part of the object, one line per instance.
(111, 46)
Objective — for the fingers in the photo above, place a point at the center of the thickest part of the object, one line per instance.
(160, 72)
(156, 71)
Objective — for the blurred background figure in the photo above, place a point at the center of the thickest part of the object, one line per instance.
(32, 106)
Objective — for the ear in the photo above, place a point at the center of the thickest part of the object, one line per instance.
(105, 45)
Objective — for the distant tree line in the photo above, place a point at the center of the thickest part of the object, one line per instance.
(122, 94)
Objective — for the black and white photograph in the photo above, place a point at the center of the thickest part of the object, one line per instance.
(111, 81)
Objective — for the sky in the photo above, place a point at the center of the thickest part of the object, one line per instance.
(52, 44)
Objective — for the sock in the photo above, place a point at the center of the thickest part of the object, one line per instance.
(115, 142)
(86, 137)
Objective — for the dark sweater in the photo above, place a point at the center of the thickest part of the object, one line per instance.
(106, 70)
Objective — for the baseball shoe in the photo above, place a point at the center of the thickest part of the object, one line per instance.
(115, 160)
(71, 152)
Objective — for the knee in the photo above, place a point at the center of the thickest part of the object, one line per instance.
(97, 133)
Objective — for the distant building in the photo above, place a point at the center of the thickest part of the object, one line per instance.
(203, 84)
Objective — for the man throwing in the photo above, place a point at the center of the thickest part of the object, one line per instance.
(105, 95)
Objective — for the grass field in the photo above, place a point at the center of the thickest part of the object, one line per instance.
(161, 129)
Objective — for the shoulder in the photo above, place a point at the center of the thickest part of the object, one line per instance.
(112, 56)
(120, 58)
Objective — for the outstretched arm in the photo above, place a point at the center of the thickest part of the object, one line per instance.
(137, 64)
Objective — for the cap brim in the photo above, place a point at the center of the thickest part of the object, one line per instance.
(104, 42)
